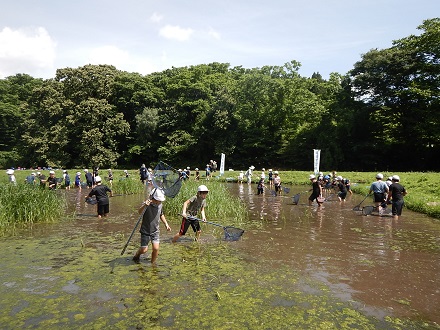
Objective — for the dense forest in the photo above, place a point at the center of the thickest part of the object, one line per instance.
(381, 115)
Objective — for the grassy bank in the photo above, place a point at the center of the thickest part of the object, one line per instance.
(24, 204)
(422, 187)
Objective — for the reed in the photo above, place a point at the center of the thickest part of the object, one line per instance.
(221, 206)
(126, 186)
(26, 204)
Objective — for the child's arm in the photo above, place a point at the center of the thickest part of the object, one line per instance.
(185, 205)
(144, 205)
(202, 212)
(162, 218)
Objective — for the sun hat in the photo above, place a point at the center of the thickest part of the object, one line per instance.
(202, 188)
(78, 173)
(396, 178)
(158, 195)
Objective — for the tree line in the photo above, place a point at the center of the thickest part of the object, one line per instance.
(383, 114)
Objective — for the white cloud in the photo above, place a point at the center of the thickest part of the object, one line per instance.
(214, 34)
(156, 18)
(175, 32)
(120, 59)
(30, 51)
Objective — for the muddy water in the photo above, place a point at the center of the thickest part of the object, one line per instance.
(385, 265)
(296, 267)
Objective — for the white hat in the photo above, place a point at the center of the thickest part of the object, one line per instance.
(202, 188)
(196, 168)
(51, 172)
(125, 171)
(33, 173)
(379, 176)
(158, 195)
(10, 171)
(64, 171)
(312, 176)
(396, 178)
(98, 178)
(339, 178)
(276, 172)
(78, 173)
(38, 173)
(86, 170)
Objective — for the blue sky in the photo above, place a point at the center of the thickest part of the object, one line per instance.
(38, 37)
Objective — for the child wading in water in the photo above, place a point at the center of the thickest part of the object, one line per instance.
(190, 209)
(150, 224)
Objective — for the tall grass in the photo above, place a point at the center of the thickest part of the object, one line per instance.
(221, 206)
(22, 204)
(126, 186)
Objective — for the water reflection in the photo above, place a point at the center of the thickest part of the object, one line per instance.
(381, 262)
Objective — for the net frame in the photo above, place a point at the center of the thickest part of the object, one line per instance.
(295, 199)
(91, 201)
(167, 178)
(232, 233)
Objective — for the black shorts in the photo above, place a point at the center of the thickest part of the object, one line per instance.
(186, 223)
(103, 209)
(379, 197)
(397, 207)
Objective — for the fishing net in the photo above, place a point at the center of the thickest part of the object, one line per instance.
(296, 199)
(91, 200)
(167, 178)
(367, 210)
(232, 233)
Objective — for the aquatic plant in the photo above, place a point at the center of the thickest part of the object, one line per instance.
(24, 203)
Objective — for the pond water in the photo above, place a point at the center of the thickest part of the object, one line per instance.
(297, 266)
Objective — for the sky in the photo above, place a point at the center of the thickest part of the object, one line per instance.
(39, 36)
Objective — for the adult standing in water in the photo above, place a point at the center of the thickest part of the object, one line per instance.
(397, 191)
(379, 190)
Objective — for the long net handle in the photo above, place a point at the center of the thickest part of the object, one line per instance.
(134, 229)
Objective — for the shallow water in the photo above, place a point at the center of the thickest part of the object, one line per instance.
(384, 264)
(296, 266)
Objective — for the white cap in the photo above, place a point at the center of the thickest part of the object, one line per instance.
(51, 172)
(312, 176)
(78, 173)
(38, 173)
(158, 195)
(379, 176)
(64, 171)
(86, 170)
(196, 169)
(276, 172)
(33, 173)
(10, 171)
(202, 188)
(396, 178)
(98, 178)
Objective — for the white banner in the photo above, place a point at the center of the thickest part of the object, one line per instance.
(222, 164)
(317, 159)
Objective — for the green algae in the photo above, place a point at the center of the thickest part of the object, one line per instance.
(56, 282)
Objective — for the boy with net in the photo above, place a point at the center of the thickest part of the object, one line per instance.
(152, 213)
(189, 211)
